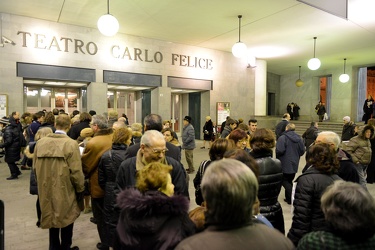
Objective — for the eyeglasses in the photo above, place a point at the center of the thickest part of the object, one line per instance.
(157, 151)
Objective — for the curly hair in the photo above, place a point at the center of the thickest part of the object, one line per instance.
(323, 157)
(262, 139)
(49, 118)
(154, 176)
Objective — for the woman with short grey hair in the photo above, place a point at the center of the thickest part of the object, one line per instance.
(350, 211)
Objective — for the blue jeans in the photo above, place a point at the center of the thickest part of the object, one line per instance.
(361, 169)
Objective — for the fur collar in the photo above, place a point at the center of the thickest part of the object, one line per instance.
(151, 203)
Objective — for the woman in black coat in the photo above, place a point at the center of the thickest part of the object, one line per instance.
(308, 215)
(107, 170)
(208, 132)
(152, 217)
(270, 177)
(12, 144)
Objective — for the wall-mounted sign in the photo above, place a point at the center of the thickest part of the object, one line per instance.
(222, 111)
(3, 105)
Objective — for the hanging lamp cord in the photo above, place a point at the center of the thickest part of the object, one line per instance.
(314, 45)
(344, 64)
(107, 6)
(239, 28)
(299, 72)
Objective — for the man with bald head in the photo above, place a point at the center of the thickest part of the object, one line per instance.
(152, 149)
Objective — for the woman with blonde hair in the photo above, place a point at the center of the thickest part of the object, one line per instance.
(151, 216)
(107, 170)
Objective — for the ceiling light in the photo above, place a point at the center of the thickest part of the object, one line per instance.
(344, 77)
(299, 82)
(314, 63)
(239, 48)
(108, 24)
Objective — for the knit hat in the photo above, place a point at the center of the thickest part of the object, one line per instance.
(187, 118)
(346, 118)
(87, 132)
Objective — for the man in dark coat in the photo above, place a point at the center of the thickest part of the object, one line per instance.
(154, 122)
(280, 127)
(152, 149)
(289, 149)
(310, 134)
(12, 144)
(348, 130)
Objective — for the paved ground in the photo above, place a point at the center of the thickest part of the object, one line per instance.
(20, 213)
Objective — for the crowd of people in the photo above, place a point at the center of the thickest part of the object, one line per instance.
(131, 177)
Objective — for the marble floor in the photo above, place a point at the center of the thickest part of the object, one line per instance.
(20, 213)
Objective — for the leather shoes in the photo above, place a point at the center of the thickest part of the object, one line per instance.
(74, 248)
(189, 171)
(93, 220)
(25, 168)
(101, 246)
(12, 177)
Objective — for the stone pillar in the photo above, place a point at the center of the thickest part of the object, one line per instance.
(97, 97)
(260, 88)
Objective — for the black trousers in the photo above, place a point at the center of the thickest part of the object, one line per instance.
(14, 170)
(66, 238)
(97, 205)
(288, 185)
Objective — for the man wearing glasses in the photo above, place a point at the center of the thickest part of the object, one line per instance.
(152, 149)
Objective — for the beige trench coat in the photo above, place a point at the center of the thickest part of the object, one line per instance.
(58, 169)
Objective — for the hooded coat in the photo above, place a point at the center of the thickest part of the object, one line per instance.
(11, 137)
(152, 220)
(59, 175)
(289, 148)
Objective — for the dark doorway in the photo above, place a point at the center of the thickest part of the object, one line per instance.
(194, 112)
(146, 103)
(271, 109)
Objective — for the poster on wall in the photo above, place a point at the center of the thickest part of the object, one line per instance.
(3, 105)
(223, 110)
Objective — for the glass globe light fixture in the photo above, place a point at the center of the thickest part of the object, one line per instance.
(344, 77)
(314, 63)
(108, 24)
(239, 49)
(299, 82)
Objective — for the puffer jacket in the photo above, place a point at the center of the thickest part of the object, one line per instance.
(308, 216)
(152, 220)
(11, 143)
(359, 149)
(289, 149)
(107, 170)
(270, 181)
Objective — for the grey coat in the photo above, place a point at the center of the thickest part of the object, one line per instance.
(188, 137)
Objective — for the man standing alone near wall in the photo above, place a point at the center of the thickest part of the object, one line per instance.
(188, 143)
